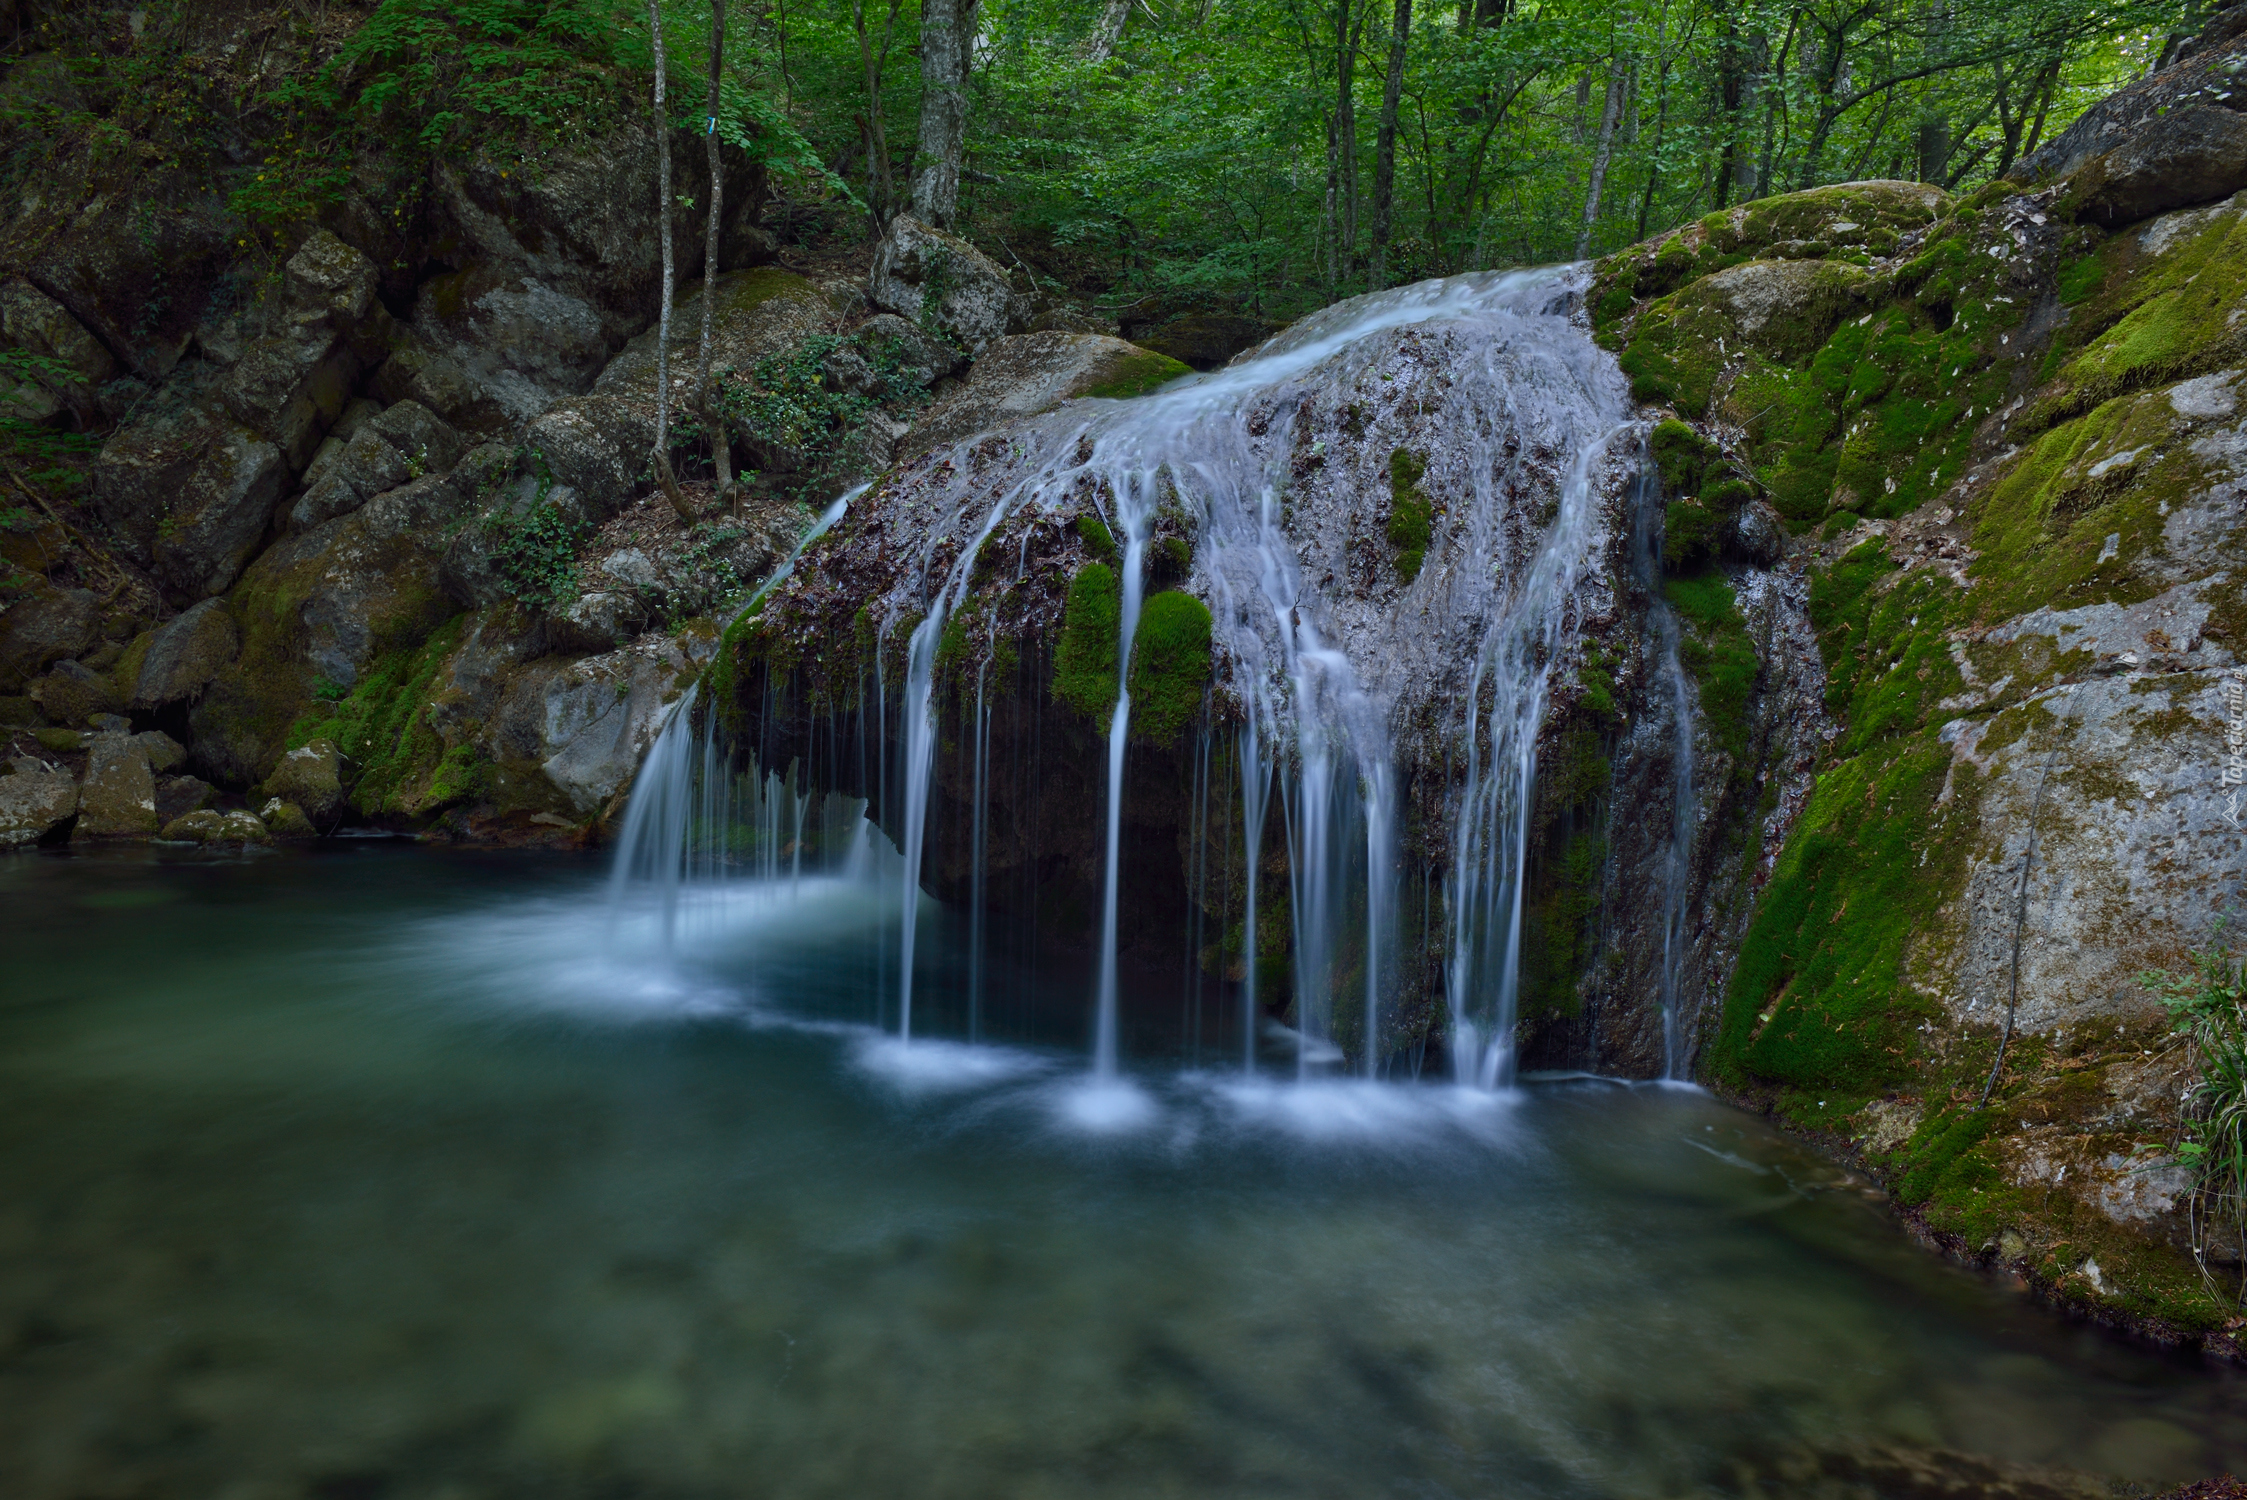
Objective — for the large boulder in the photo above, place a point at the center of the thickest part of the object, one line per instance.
(404, 442)
(310, 777)
(190, 490)
(36, 801)
(73, 693)
(1034, 372)
(43, 628)
(941, 281)
(584, 725)
(136, 266)
(2190, 156)
(2207, 74)
(118, 797)
(184, 654)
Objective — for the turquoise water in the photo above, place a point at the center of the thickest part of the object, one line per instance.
(394, 1172)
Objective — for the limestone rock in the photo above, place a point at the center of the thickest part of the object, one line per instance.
(291, 383)
(36, 801)
(310, 778)
(595, 622)
(758, 313)
(43, 628)
(2192, 155)
(1034, 372)
(470, 572)
(118, 797)
(584, 725)
(73, 693)
(2208, 73)
(404, 442)
(191, 491)
(135, 264)
(162, 750)
(942, 281)
(918, 355)
(286, 820)
(1846, 215)
(331, 279)
(185, 654)
(414, 373)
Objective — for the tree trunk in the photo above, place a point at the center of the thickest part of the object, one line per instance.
(947, 51)
(1600, 153)
(881, 190)
(663, 472)
(1385, 147)
(706, 390)
(1109, 32)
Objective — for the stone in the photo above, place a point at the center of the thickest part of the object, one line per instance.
(37, 801)
(941, 281)
(61, 741)
(184, 654)
(919, 355)
(470, 571)
(162, 750)
(847, 297)
(417, 374)
(291, 383)
(117, 799)
(402, 443)
(595, 622)
(1755, 536)
(43, 628)
(135, 266)
(218, 518)
(176, 796)
(311, 778)
(1206, 340)
(212, 827)
(582, 726)
(109, 723)
(73, 693)
(2192, 155)
(1034, 372)
(330, 278)
(286, 820)
(356, 414)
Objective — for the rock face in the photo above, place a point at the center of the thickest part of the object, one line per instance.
(310, 779)
(942, 281)
(184, 655)
(49, 626)
(2185, 157)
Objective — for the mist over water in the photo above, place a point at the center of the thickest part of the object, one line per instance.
(396, 1172)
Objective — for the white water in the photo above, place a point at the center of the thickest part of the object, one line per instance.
(1322, 671)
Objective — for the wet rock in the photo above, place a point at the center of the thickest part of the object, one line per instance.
(185, 654)
(213, 828)
(404, 442)
(310, 777)
(177, 796)
(942, 281)
(285, 820)
(583, 725)
(1206, 340)
(2193, 155)
(117, 799)
(1034, 372)
(37, 800)
(73, 693)
(46, 627)
(1754, 535)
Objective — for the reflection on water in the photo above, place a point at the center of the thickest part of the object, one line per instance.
(392, 1173)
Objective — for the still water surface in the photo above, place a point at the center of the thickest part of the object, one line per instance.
(395, 1174)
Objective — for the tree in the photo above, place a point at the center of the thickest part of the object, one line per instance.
(1385, 146)
(706, 389)
(663, 473)
(947, 52)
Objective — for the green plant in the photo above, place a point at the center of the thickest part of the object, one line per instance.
(2207, 1005)
(535, 548)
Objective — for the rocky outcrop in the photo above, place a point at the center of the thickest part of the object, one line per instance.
(172, 664)
(1035, 372)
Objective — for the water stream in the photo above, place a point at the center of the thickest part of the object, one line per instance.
(395, 1172)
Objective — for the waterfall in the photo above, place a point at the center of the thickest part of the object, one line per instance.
(1473, 408)
(1677, 685)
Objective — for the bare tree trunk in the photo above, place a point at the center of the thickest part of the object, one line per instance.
(1600, 154)
(1385, 147)
(1109, 32)
(663, 473)
(947, 52)
(706, 390)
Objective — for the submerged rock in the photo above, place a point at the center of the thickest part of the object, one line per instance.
(213, 828)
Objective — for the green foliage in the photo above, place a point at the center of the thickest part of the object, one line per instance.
(536, 552)
(1689, 536)
(788, 407)
(2207, 1005)
(1098, 539)
(1084, 663)
(1170, 666)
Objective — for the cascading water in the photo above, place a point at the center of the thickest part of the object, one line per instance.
(1477, 399)
(1677, 686)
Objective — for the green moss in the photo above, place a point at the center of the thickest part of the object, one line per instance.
(1717, 651)
(1681, 456)
(1136, 374)
(1411, 513)
(404, 766)
(1084, 662)
(1098, 539)
(1170, 667)
(1559, 930)
(1689, 536)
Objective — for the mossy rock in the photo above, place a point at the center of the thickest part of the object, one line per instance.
(1170, 666)
(1783, 311)
(1084, 662)
(1411, 513)
(1870, 215)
